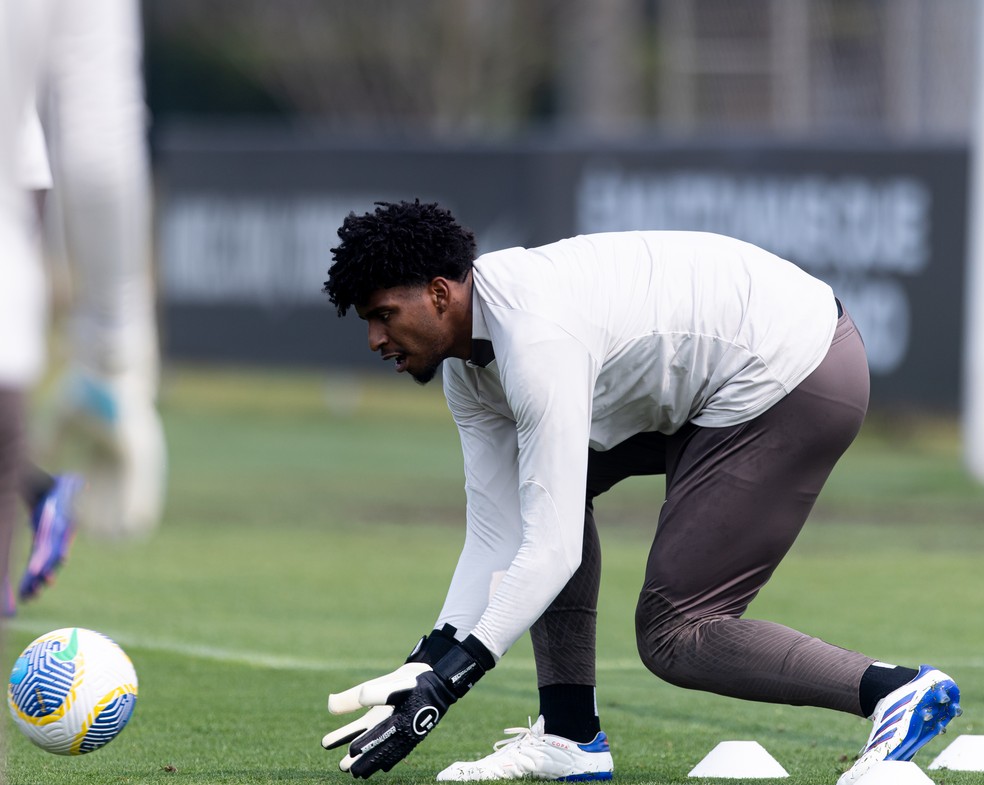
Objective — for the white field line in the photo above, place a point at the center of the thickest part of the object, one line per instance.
(281, 662)
(266, 659)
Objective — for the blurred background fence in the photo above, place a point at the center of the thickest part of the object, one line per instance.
(832, 132)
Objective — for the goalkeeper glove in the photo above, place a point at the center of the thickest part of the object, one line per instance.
(406, 704)
(429, 649)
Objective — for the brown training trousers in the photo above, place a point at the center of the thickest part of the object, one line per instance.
(736, 499)
(12, 440)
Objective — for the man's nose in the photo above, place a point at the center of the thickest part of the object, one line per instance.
(377, 338)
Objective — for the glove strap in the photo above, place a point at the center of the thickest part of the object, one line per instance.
(464, 665)
(431, 648)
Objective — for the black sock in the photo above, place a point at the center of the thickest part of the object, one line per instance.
(569, 710)
(879, 680)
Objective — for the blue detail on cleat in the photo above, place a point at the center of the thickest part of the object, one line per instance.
(906, 719)
(96, 399)
(534, 754)
(53, 521)
(598, 744)
(932, 714)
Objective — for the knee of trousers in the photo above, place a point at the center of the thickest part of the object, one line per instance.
(661, 632)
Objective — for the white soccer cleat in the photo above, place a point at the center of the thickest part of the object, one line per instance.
(112, 421)
(533, 754)
(906, 719)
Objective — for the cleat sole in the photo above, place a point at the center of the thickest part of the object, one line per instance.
(938, 707)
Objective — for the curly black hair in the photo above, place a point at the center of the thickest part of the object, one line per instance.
(398, 244)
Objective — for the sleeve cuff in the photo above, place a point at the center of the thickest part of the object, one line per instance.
(477, 649)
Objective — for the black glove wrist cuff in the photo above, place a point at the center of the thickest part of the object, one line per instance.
(431, 648)
(459, 669)
(477, 649)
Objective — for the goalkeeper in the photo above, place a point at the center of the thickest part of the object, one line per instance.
(568, 368)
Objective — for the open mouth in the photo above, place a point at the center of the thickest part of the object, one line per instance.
(399, 360)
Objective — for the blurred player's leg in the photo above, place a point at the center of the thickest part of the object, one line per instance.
(11, 455)
(51, 501)
(24, 32)
(102, 178)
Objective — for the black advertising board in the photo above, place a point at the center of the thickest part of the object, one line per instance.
(246, 220)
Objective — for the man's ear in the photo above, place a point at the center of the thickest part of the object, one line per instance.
(440, 293)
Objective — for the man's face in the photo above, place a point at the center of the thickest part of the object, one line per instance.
(405, 326)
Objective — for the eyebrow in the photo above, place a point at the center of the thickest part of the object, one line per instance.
(373, 311)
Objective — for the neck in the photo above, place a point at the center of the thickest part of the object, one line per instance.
(462, 314)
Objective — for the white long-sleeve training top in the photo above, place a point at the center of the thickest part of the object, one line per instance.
(595, 339)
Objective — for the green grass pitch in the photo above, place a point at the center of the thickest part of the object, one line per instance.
(312, 527)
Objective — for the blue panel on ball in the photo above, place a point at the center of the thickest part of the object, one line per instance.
(109, 723)
(20, 670)
(46, 682)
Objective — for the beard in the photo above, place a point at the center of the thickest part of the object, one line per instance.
(429, 358)
(431, 363)
(425, 375)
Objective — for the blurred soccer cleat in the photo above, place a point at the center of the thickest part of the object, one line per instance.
(906, 719)
(53, 521)
(113, 425)
(533, 754)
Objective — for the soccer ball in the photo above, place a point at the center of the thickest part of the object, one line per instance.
(72, 691)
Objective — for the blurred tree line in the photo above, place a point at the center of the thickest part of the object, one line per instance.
(435, 66)
(466, 68)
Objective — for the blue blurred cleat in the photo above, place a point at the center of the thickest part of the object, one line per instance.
(906, 719)
(53, 520)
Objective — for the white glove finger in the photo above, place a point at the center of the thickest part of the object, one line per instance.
(356, 728)
(344, 702)
(346, 763)
(353, 699)
(385, 692)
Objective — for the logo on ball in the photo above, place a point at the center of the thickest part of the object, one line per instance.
(425, 720)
